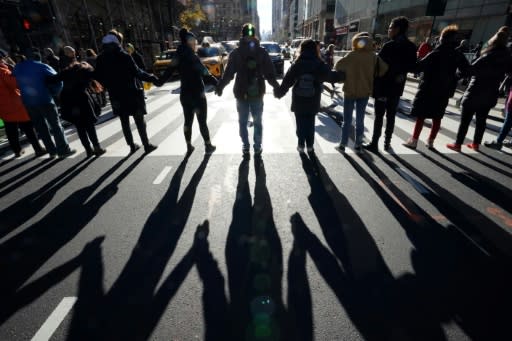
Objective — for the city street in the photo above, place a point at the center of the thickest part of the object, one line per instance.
(405, 245)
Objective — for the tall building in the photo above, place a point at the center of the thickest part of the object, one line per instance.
(478, 20)
(315, 19)
(225, 18)
(250, 13)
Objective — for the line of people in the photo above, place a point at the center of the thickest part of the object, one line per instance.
(364, 73)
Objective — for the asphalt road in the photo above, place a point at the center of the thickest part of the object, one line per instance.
(392, 246)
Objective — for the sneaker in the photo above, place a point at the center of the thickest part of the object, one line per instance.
(41, 152)
(149, 148)
(372, 147)
(301, 149)
(473, 146)
(411, 144)
(258, 151)
(98, 151)
(52, 155)
(494, 145)
(453, 146)
(340, 148)
(430, 144)
(89, 153)
(67, 153)
(209, 149)
(134, 147)
(20, 153)
(358, 149)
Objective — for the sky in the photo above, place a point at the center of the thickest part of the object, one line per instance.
(265, 13)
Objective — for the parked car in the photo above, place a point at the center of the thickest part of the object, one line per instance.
(163, 61)
(295, 47)
(274, 50)
(215, 58)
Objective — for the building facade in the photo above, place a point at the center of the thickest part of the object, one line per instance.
(478, 20)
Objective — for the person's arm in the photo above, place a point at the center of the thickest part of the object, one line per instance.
(229, 73)
(269, 72)
(138, 72)
(175, 62)
(54, 81)
(383, 67)
(288, 81)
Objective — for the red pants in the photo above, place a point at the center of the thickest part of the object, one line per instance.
(436, 125)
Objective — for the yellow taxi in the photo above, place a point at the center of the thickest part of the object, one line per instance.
(163, 61)
(215, 58)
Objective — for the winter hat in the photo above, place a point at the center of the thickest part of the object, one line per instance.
(110, 39)
(249, 30)
(186, 35)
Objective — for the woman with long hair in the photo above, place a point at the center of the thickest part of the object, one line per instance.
(482, 94)
(192, 95)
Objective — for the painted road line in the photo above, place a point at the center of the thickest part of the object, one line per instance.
(160, 178)
(55, 319)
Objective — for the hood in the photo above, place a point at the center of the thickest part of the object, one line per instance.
(362, 43)
(249, 46)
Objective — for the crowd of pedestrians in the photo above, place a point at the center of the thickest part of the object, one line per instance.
(32, 88)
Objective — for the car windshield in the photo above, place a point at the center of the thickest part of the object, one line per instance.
(271, 48)
(205, 52)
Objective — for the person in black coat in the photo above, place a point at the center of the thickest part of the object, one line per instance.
(116, 70)
(137, 57)
(437, 85)
(192, 93)
(306, 76)
(400, 55)
(77, 104)
(482, 94)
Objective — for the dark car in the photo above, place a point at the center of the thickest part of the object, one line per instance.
(274, 50)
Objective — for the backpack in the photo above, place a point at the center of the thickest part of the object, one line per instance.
(305, 86)
(253, 77)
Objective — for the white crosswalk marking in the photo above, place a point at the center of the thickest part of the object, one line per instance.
(278, 130)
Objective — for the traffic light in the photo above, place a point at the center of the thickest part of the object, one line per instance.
(436, 8)
(26, 24)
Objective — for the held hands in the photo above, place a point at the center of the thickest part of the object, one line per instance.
(278, 93)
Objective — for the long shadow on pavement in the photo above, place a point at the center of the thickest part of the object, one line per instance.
(255, 264)
(132, 307)
(25, 176)
(23, 254)
(454, 281)
(24, 209)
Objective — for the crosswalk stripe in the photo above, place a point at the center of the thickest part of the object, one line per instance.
(175, 143)
(154, 126)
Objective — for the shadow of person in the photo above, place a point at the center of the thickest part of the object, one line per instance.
(27, 207)
(255, 264)
(484, 185)
(365, 284)
(26, 176)
(449, 269)
(215, 304)
(300, 306)
(23, 254)
(132, 307)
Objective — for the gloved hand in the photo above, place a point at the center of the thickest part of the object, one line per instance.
(278, 93)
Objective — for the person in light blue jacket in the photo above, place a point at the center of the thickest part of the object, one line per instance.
(37, 96)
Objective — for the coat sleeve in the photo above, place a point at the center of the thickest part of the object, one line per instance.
(175, 62)
(268, 70)
(230, 71)
(383, 67)
(288, 81)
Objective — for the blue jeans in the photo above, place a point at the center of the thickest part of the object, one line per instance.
(507, 125)
(348, 109)
(45, 119)
(255, 108)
